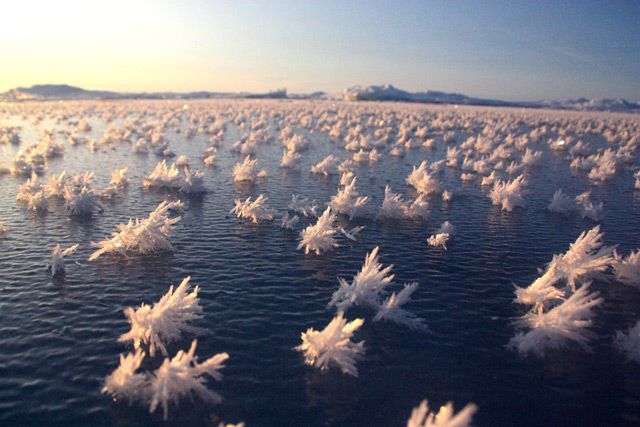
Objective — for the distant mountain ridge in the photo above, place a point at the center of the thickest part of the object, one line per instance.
(355, 93)
(390, 93)
(62, 91)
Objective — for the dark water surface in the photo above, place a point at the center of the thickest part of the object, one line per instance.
(58, 338)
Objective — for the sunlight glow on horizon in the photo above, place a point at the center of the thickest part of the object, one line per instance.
(251, 46)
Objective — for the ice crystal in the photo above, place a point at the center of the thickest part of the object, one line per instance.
(80, 201)
(255, 210)
(560, 203)
(320, 237)
(531, 158)
(181, 376)
(247, 170)
(509, 194)
(604, 166)
(543, 289)
(561, 324)
(170, 177)
(352, 233)
(163, 176)
(303, 206)
(124, 382)
(333, 345)
(627, 270)
(585, 258)
(326, 166)
(438, 239)
(57, 258)
(117, 184)
(192, 182)
(422, 181)
(290, 159)
(348, 201)
(163, 323)
(586, 207)
(441, 237)
(445, 417)
(391, 309)
(629, 343)
(366, 287)
(393, 206)
(289, 223)
(209, 161)
(142, 236)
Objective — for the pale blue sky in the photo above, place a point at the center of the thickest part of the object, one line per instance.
(515, 50)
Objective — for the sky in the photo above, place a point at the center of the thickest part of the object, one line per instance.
(511, 50)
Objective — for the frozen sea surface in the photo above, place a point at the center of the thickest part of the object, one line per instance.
(58, 337)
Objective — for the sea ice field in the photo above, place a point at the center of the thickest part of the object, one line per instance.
(317, 263)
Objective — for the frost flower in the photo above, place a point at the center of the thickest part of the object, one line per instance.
(124, 382)
(164, 322)
(247, 170)
(142, 236)
(183, 376)
(629, 343)
(320, 237)
(333, 346)
(627, 270)
(57, 258)
(347, 201)
(509, 194)
(422, 417)
(255, 210)
(553, 329)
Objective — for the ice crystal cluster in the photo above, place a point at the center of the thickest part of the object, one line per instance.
(303, 206)
(348, 201)
(562, 305)
(125, 382)
(561, 203)
(627, 270)
(394, 207)
(326, 166)
(322, 236)
(333, 346)
(182, 376)
(629, 343)
(78, 198)
(254, 210)
(421, 416)
(117, 184)
(57, 258)
(289, 222)
(510, 194)
(290, 159)
(247, 170)
(586, 207)
(176, 378)
(141, 236)
(368, 289)
(441, 237)
(153, 327)
(172, 178)
(422, 180)
(32, 194)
